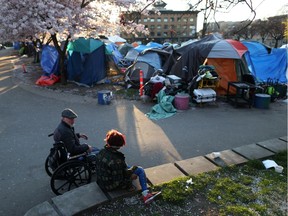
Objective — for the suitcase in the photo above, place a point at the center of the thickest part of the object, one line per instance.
(204, 95)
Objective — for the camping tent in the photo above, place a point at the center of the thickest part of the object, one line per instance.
(86, 61)
(116, 39)
(224, 55)
(148, 61)
(266, 63)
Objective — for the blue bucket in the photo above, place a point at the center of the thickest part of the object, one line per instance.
(104, 97)
(262, 101)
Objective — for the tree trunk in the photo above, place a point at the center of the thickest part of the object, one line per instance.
(62, 57)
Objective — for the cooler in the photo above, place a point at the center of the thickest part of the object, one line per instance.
(204, 95)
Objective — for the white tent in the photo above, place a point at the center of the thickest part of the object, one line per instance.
(116, 39)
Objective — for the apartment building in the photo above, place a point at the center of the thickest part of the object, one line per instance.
(169, 26)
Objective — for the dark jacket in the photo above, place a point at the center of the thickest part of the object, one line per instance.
(111, 170)
(66, 134)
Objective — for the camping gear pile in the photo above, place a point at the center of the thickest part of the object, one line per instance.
(202, 86)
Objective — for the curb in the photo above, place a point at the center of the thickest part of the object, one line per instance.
(89, 196)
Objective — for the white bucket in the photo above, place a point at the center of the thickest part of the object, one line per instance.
(279, 169)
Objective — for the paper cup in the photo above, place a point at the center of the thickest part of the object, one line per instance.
(279, 169)
(216, 154)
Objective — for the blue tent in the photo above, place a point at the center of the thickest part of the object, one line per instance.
(86, 61)
(266, 63)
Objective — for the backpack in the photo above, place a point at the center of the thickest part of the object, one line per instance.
(56, 157)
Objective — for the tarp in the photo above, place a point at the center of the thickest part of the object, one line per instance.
(164, 107)
(112, 50)
(49, 60)
(116, 39)
(50, 66)
(266, 63)
(86, 61)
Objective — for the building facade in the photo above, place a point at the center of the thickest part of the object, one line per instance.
(169, 26)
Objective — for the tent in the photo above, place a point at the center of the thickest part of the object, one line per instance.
(148, 61)
(266, 63)
(116, 39)
(225, 55)
(124, 48)
(86, 61)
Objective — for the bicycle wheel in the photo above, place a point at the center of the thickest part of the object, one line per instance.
(70, 175)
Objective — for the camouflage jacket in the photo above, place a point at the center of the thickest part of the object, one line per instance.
(111, 169)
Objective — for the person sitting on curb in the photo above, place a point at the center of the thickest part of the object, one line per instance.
(65, 132)
(113, 172)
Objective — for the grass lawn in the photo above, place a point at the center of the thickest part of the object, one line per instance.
(244, 190)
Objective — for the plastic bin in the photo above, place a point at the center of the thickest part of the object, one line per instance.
(181, 101)
(104, 97)
(262, 101)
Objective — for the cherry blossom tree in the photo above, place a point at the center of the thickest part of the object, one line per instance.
(65, 20)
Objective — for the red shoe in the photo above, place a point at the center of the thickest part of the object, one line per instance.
(150, 197)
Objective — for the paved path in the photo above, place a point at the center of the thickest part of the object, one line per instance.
(29, 113)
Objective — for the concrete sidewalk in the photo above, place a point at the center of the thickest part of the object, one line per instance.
(89, 196)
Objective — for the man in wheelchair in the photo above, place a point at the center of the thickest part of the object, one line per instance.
(65, 132)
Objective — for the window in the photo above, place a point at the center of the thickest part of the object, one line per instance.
(159, 34)
(152, 27)
(165, 34)
(171, 19)
(152, 34)
(165, 19)
(184, 19)
(145, 20)
(191, 19)
(158, 26)
(152, 20)
(159, 19)
(179, 19)
(165, 26)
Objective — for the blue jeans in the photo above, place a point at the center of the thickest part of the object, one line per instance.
(142, 177)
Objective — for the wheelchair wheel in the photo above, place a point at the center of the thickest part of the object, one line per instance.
(70, 175)
(48, 169)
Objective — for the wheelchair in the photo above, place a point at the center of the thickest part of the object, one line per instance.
(68, 172)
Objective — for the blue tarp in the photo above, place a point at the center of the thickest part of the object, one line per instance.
(49, 60)
(112, 50)
(266, 63)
